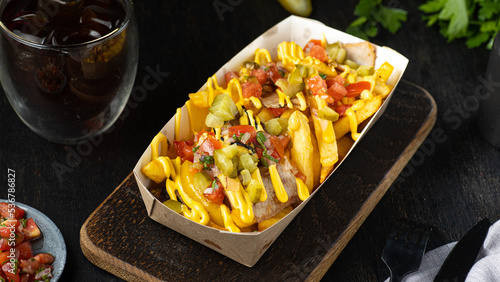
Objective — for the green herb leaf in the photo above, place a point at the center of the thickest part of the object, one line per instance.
(372, 13)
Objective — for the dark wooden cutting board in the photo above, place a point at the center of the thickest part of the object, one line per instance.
(120, 238)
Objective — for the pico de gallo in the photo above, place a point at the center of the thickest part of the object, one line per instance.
(18, 261)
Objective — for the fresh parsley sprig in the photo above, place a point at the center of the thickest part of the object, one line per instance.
(371, 15)
(477, 21)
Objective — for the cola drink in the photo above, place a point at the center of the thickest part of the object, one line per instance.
(66, 63)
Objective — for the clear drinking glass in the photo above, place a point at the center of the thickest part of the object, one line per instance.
(68, 67)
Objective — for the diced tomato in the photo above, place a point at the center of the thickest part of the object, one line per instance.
(8, 226)
(319, 53)
(44, 258)
(277, 112)
(31, 231)
(230, 75)
(209, 145)
(239, 130)
(6, 210)
(25, 250)
(339, 79)
(250, 89)
(341, 109)
(301, 176)
(4, 244)
(261, 75)
(29, 265)
(200, 133)
(354, 89)
(317, 85)
(217, 196)
(337, 91)
(25, 277)
(311, 43)
(12, 273)
(273, 72)
(5, 256)
(279, 143)
(184, 149)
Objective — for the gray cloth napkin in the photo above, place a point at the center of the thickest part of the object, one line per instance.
(486, 268)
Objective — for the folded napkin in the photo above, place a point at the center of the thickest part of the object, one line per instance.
(486, 267)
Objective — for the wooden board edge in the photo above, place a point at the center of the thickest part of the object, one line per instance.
(368, 206)
(103, 259)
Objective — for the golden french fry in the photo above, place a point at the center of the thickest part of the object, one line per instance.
(344, 144)
(302, 148)
(327, 151)
(155, 171)
(316, 164)
(342, 126)
(325, 171)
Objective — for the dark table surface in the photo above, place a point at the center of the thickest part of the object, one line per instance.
(449, 184)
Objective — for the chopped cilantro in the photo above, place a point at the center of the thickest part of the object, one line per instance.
(261, 138)
(195, 149)
(215, 185)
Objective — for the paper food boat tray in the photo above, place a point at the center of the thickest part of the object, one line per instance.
(247, 248)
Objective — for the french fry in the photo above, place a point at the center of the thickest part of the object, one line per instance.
(316, 164)
(325, 172)
(302, 148)
(327, 151)
(342, 126)
(344, 144)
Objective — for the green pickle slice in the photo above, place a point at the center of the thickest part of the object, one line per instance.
(224, 107)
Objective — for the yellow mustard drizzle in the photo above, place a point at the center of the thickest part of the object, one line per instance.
(290, 52)
(302, 101)
(170, 186)
(293, 123)
(159, 140)
(178, 116)
(243, 119)
(256, 102)
(279, 189)
(239, 200)
(347, 70)
(191, 208)
(258, 126)
(168, 167)
(231, 86)
(353, 123)
(250, 117)
(228, 221)
(284, 99)
(262, 56)
(196, 212)
(257, 176)
(302, 189)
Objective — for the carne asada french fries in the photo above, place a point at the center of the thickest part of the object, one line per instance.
(267, 137)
